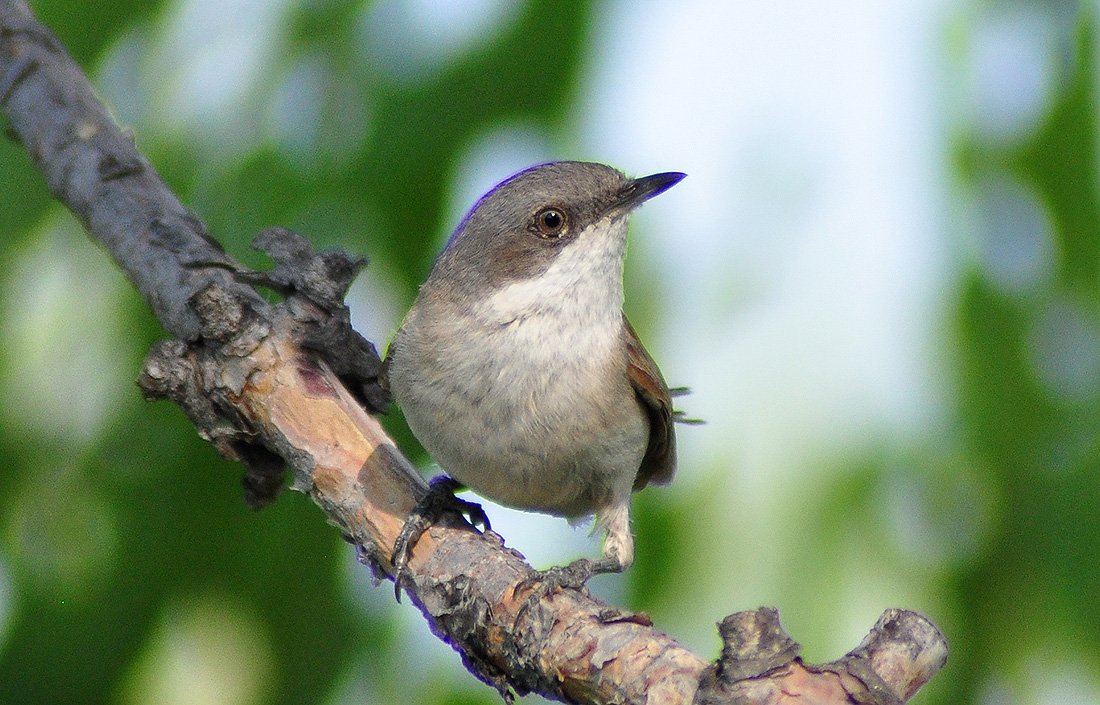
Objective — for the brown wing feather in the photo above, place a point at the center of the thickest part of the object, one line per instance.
(659, 462)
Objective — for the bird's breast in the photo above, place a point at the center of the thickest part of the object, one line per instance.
(535, 412)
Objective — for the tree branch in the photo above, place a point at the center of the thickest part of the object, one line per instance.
(269, 384)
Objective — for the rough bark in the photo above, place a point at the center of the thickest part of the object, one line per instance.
(288, 384)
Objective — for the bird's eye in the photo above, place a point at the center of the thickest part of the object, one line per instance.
(550, 223)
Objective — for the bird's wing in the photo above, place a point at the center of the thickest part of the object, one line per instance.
(659, 462)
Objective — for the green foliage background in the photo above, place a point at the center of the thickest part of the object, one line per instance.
(110, 538)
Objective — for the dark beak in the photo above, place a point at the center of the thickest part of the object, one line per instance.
(638, 191)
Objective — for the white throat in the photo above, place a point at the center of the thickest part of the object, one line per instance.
(583, 285)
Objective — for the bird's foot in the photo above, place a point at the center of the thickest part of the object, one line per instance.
(544, 583)
(439, 499)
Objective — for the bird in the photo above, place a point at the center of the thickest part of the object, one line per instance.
(517, 369)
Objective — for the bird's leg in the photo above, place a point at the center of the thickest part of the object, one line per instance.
(440, 498)
(543, 583)
(618, 554)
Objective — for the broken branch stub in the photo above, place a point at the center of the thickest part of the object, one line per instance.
(760, 664)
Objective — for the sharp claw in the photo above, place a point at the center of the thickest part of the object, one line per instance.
(440, 498)
(423, 516)
(400, 552)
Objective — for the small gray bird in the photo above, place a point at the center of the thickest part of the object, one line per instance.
(516, 367)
